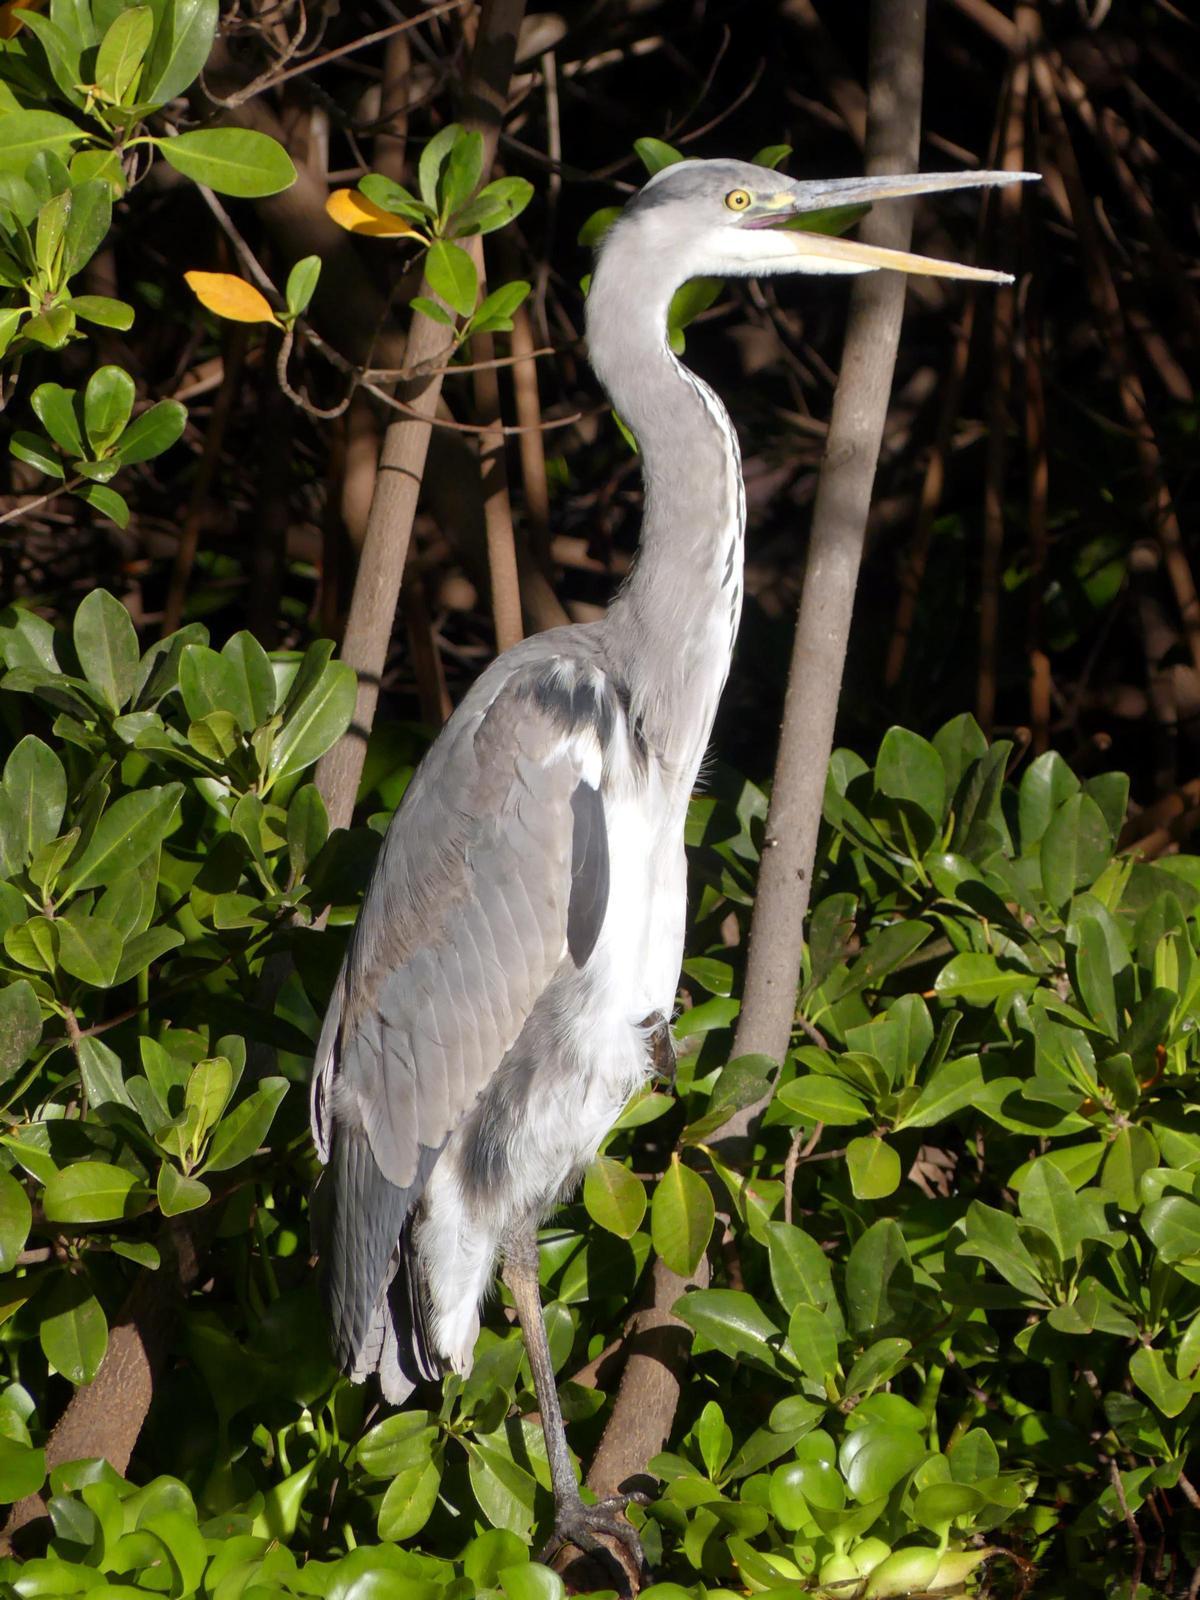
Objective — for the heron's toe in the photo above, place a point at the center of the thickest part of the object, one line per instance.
(591, 1528)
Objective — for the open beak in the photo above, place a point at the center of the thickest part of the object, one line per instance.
(854, 256)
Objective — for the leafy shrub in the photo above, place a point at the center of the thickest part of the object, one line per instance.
(985, 1276)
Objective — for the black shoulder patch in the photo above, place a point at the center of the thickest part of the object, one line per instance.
(576, 705)
(589, 873)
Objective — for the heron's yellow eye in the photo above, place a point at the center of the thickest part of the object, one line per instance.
(737, 199)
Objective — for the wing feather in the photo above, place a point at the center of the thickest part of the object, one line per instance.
(494, 872)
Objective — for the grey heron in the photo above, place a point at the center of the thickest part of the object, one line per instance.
(513, 973)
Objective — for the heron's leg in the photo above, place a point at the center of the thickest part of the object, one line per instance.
(573, 1520)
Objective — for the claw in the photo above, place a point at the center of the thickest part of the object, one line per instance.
(583, 1526)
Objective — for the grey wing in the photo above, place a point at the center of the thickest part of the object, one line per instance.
(494, 872)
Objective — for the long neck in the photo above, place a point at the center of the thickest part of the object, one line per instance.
(672, 626)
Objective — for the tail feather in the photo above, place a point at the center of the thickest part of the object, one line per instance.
(371, 1276)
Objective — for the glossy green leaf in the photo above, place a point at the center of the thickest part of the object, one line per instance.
(950, 1089)
(450, 273)
(128, 831)
(182, 41)
(103, 310)
(302, 284)
(178, 1194)
(16, 1215)
(800, 1271)
(1173, 1225)
(54, 408)
(122, 51)
(252, 683)
(233, 161)
(314, 723)
(149, 434)
(681, 1217)
(107, 405)
(239, 1133)
(995, 1238)
(813, 1339)
(874, 1168)
(980, 980)
(89, 949)
(23, 134)
(22, 1470)
(1149, 1371)
(874, 1459)
(731, 1320)
(655, 154)
(20, 1027)
(307, 828)
(823, 1099)
(92, 1191)
(614, 1197)
(1074, 849)
(410, 1499)
(73, 1329)
(909, 768)
(36, 783)
(106, 643)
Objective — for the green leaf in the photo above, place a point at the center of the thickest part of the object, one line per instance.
(938, 1506)
(450, 273)
(433, 158)
(462, 171)
(980, 980)
(973, 1456)
(154, 431)
(54, 408)
(100, 1071)
(16, 1214)
(814, 1341)
(410, 1498)
(951, 1088)
(177, 1194)
(1148, 1369)
(122, 51)
(1075, 848)
(874, 1458)
(72, 1329)
(302, 284)
(909, 768)
(22, 1470)
(1132, 1153)
(530, 1580)
(182, 43)
(92, 1191)
(874, 1168)
(614, 1197)
(1049, 1202)
(36, 783)
(25, 134)
(20, 1027)
(90, 949)
(252, 683)
(307, 828)
(878, 1364)
(1173, 1224)
(681, 1217)
(995, 1238)
(496, 313)
(655, 155)
(144, 949)
(494, 207)
(878, 1277)
(37, 451)
(771, 155)
(239, 1134)
(731, 1320)
(233, 161)
(103, 311)
(128, 831)
(107, 404)
(800, 1269)
(1094, 974)
(432, 310)
(1047, 783)
(87, 227)
(314, 722)
(505, 1491)
(823, 1099)
(106, 501)
(107, 646)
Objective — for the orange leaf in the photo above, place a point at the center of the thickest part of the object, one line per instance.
(230, 297)
(357, 214)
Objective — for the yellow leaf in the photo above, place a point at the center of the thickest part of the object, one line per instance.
(357, 214)
(230, 297)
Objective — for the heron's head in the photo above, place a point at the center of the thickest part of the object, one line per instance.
(731, 218)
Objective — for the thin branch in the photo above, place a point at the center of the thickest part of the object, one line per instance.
(26, 506)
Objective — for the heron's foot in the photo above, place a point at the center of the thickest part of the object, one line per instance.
(591, 1528)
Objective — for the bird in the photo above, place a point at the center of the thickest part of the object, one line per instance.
(512, 975)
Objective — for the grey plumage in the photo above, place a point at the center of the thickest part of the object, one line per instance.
(510, 979)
